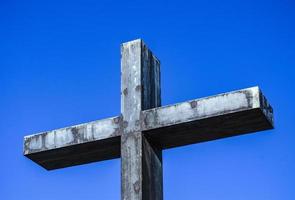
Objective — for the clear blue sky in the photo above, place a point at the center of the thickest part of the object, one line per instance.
(60, 66)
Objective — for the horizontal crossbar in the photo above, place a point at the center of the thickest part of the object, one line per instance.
(223, 115)
(74, 145)
(210, 118)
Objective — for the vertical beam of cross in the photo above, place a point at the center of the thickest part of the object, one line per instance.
(141, 164)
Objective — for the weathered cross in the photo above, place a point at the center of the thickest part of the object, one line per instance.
(144, 128)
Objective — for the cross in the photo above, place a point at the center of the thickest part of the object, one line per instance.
(144, 128)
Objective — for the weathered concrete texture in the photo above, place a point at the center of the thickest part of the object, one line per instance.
(141, 167)
(150, 79)
(94, 141)
(210, 118)
(224, 115)
(152, 171)
(145, 128)
(140, 82)
(131, 85)
(131, 166)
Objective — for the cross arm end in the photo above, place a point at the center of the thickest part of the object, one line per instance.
(74, 145)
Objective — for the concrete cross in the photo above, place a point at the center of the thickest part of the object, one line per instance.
(144, 128)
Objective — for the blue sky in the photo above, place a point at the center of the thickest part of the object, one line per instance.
(60, 66)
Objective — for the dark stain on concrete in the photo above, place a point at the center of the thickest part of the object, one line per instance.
(125, 91)
(194, 104)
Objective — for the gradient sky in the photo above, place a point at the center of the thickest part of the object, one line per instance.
(60, 66)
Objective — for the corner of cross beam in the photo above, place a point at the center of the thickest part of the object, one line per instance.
(139, 40)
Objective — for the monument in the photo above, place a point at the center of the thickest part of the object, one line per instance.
(144, 128)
